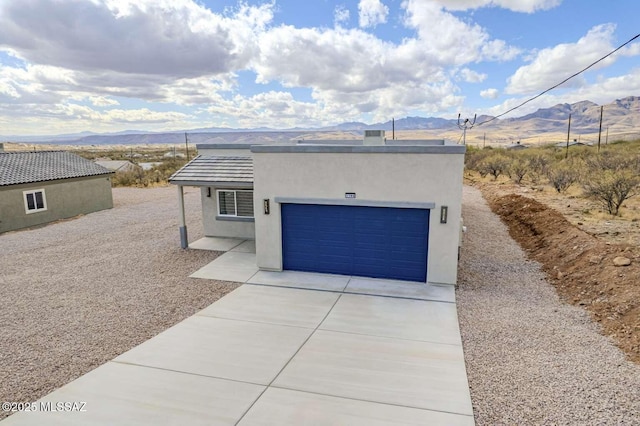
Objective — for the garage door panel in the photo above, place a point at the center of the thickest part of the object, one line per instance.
(354, 240)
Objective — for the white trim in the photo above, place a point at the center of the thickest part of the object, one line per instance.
(235, 200)
(356, 202)
(33, 192)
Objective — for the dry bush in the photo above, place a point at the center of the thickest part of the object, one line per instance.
(158, 175)
(475, 156)
(538, 164)
(562, 175)
(611, 188)
(518, 169)
(494, 165)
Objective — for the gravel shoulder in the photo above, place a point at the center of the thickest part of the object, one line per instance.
(532, 359)
(79, 292)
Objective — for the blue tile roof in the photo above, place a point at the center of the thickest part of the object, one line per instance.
(42, 166)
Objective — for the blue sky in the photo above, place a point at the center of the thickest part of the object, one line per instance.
(159, 65)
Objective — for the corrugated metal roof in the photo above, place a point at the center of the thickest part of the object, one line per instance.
(42, 166)
(210, 170)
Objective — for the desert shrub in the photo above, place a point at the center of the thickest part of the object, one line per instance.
(157, 175)
(611, 188)
(562, 175)
(612, 160)
(538, 165)
(495, 165)
(518, 169)
(475, 156)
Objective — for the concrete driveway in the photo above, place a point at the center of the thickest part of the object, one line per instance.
(270, 354)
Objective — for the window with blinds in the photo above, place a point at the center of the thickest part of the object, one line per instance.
(237, 203)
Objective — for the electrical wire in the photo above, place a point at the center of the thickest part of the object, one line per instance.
(562, 82)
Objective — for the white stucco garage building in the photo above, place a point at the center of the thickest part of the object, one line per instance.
(377, 209)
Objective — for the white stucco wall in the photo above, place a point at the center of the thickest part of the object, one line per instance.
(424, 176)
(214, 226)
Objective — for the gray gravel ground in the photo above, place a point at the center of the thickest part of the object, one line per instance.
(77, 293)
(532, 359)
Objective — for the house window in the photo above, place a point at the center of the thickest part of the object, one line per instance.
(34, 201)
(235, 203)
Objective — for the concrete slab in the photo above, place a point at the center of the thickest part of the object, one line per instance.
(398, 318)
(230, 266)
(393, 288)
(274, 305)
(307, 280)
(215, 347)
(248, 246)
(409, 373)
(285, 407)
(216, 243)
(125, 394)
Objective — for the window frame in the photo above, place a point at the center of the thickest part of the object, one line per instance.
(33, 192)
(235, 204)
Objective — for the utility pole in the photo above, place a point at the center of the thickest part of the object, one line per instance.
(566, 154)
(466, 124)
(393, 129)
(484, 140)
(600, 131)
(186, 144)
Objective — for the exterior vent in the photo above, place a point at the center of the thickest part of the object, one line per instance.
(374, 137)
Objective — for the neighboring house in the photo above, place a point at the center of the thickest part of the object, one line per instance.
(44, 186)
(574, 142)
(375, 208)
(516, 146)
(122, 166)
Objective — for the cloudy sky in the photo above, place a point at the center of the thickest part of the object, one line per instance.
(68, 66)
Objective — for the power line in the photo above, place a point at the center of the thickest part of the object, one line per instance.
(562, 82)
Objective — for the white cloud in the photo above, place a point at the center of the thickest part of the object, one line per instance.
(554, 64)
(176, 38)
(471, 76)
(372, 13)
(526, 6)
(341, 15)
(179, 53)
(102, 101)
(490, 93)
(449, 39)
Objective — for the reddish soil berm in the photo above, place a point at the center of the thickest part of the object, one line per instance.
(580, 266)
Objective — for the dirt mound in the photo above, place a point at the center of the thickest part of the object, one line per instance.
(581, 266)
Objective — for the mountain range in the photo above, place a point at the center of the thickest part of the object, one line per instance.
(621, 117)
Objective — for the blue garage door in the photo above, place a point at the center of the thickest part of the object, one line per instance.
(377, 242)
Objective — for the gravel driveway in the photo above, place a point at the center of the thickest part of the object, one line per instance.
(77, 293)
(532, 359)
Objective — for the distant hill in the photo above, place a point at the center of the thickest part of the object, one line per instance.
(621, 116)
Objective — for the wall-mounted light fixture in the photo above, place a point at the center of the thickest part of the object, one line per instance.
(265, 203)
(444, 210)
(209, 192)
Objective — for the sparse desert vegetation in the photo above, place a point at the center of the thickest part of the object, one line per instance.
(578, 215)
(608, 176)
(162, 163)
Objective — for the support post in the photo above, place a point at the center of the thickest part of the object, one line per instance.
(184, 241)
